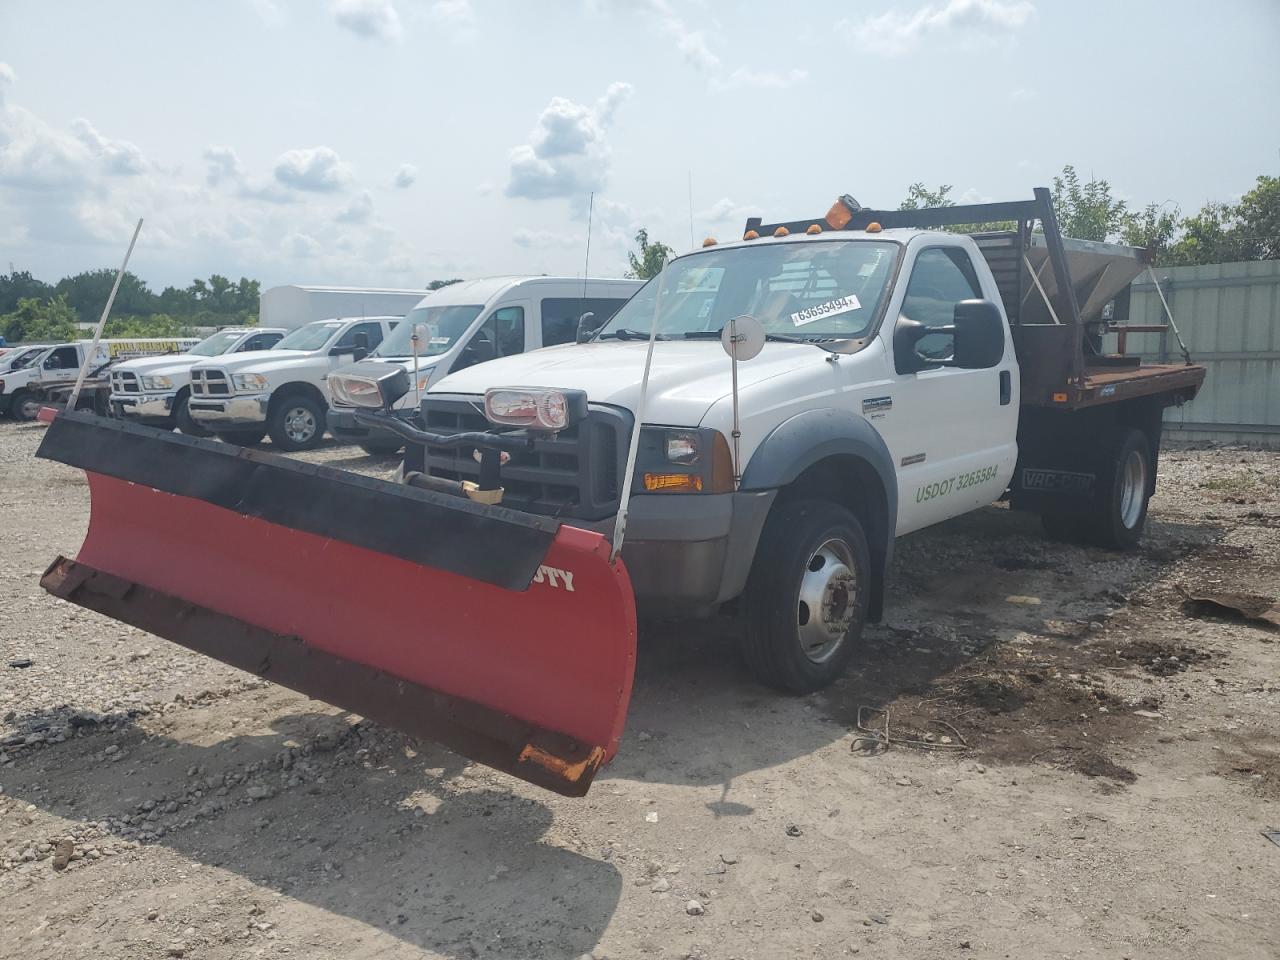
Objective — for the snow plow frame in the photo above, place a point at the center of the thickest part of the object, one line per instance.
(550, 670)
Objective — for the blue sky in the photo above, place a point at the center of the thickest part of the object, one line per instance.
(396, 141)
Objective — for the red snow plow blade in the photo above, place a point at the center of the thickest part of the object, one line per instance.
(506, 637)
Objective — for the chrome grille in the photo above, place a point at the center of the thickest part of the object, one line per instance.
(209, 383)
(124, 382)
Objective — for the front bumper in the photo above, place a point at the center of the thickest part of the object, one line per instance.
(143, 406)
(230, 413)
(689, 553)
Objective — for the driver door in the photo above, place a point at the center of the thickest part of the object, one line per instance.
(500, 334)
(953, 431)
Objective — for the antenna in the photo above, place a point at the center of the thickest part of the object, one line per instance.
(692, 242)
(591, 209)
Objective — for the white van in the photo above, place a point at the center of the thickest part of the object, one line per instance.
(22, 392)
(468, 323)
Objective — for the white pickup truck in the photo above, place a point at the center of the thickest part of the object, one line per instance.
(906, 376)
(49, 376)
(281, 391)
(155, 390)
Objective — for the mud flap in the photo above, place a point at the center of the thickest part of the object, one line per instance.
(506, 637)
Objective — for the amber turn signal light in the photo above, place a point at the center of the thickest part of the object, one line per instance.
(673, 482)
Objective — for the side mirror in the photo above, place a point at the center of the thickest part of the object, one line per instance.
(979, 335)
(906, 335)
(586, 327)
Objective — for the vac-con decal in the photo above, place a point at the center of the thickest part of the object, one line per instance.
(961, 481)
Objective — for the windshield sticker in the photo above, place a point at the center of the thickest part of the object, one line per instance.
(824, 310)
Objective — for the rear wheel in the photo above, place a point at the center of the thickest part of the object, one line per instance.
(242, 438)
(185, 422)
(807, 596)
(296, 423)
(381, 448)
(1124, 484)
(25, 405)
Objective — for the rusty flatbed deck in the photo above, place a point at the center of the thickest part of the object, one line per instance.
(1103, 385)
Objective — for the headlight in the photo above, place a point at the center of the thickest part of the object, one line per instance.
(156, 383)
(356, 391)
(682, 447)
(534, 408)
(250, 381)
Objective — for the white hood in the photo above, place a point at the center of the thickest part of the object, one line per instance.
(685, 381)
(258, 361)
(159, 366)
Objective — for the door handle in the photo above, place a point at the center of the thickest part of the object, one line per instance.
(1006, 388)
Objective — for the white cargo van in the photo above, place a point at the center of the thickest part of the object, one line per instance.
(281, 391)
(464, 324)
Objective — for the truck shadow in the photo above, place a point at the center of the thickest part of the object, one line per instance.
(394, 836)
(960, 594)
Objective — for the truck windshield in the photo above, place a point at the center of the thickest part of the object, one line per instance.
(216, 345)
(812, 290)
(22, 358)
(439, 328)
(311, 337)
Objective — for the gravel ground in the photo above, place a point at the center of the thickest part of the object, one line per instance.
(1079, 764)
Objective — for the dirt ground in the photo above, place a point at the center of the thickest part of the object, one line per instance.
(1094, 763)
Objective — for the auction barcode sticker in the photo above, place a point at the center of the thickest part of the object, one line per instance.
(823, 310)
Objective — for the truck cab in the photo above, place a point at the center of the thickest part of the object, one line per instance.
(464, 324)
(155, 390)
(281, 391)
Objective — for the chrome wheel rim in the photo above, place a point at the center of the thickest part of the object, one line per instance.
(828, 600)
(30, 409)
(1133, 488)
(299, 424)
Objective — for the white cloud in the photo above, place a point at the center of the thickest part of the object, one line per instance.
(759, 79)
(691, 44)
(301, 246)
(567, 154)
(894, 31)
(315, 169)
(34, 155)
(371, 19)
(7, 80)
(222, 165)
(535, 239)
(119, 157)
(359, 210)
(728, 211)
(406, 176)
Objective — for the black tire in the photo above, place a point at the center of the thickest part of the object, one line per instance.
(296, 422)
(1119, 513)
(242, 438)
(185, 422)
(24, 406)
(380, 448)
(784, 646)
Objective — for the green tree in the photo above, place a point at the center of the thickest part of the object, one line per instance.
(1086, 211)
(1154, 229)
(156, 325)
(1207, 237)
(920, 197)
(650, 259)
(437, 284)
(1258, 220)
(37, 321)
(87, 294)
(19, 285)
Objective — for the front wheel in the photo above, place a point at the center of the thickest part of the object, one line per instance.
(187, 423)
(296, 423)
(25, 405)
(807, 596)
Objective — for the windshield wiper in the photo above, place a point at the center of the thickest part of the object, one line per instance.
(622, 333)
(770, 337)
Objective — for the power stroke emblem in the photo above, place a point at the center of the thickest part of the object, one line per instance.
(1057, 481)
